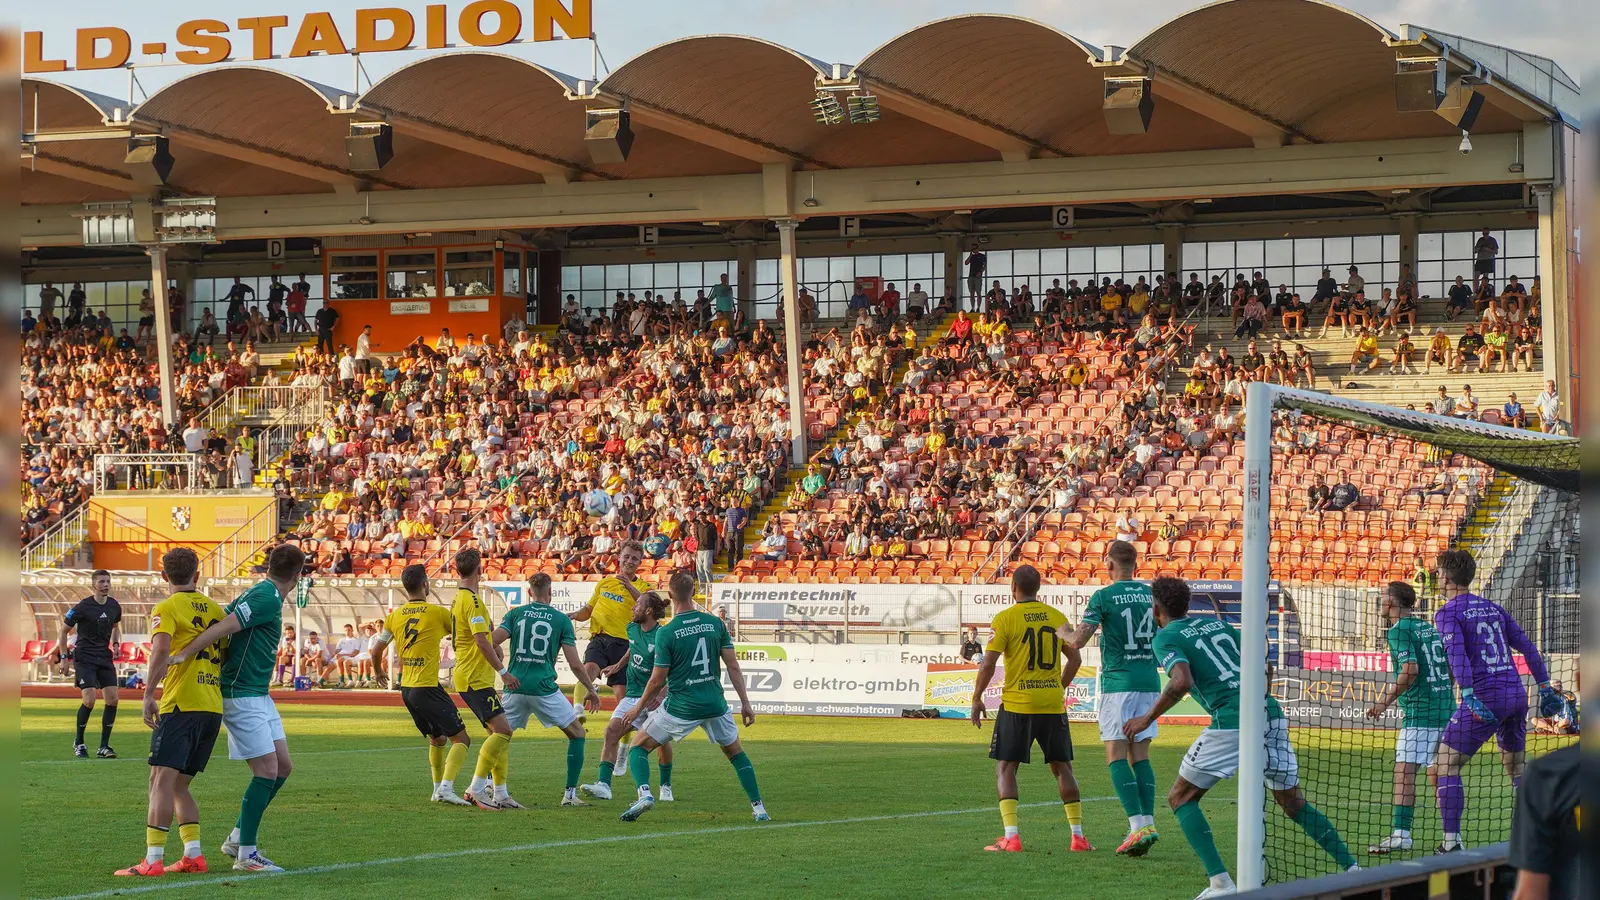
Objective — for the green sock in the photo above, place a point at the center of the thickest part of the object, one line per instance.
(574, 761)
(1402, 817)
(639, 766)
(277, 784)
(256, 797)
(606, 768)
(1122, 781)
(1327, 837)
(666, 774)
(1145, 774)
(1197, 831)
(747, 776)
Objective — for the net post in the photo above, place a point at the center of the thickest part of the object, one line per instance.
(1253, 635)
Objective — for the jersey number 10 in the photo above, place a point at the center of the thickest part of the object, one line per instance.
(1044, 648)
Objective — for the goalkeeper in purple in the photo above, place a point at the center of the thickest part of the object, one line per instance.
(1479, 637)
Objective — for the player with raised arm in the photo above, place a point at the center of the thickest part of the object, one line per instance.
(477, 661)
(538, 631)
(608, 613)
(253, 626)
(648, 611)
(420, 626)
(185, 719)
(1201, 657)
(1129, 685)
(690, 652)
(95, 618)
(1423, 691)
(1479, 637)
(1038, 666)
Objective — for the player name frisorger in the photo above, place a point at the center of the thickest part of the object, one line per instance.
(1127, 444)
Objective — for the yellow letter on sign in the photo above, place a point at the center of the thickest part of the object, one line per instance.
(579, 23)
(404, 28)
(261, 29)
(205, 36)
(507, 30)
(318, 34)
(33, 55)
(89, 40)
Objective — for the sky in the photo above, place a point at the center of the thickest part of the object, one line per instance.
(830, 30)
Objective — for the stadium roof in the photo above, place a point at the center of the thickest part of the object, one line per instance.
(1234, 74)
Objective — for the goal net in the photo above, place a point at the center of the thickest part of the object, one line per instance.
(1342, 499)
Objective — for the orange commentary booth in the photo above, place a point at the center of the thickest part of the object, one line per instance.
(418, 285)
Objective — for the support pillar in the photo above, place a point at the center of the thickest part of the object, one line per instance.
(1172, 253)
(950, 244)
(745, 282)
(158, 291)
(1555, 245)
(789, 274)
(1408, 242)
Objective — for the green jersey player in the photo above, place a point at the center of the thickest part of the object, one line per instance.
(648, 611)
(1201, 657)
(538, 631)
(1129, 685)
(252, 628)
(690, 653)
(1426, 697)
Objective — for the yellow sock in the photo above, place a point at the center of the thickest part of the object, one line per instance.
(1074, 813)
(494, 747)
(155, 837)
(578, 693)
(1008, 813)
(190, 833)
(502, 766)
(436, 755)
(453, 761)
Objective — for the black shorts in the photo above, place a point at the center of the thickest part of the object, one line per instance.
(432, 711)
(89, 674)
(183, 740)
(604, 651)
(484, 703)
(1016, 733)
(147, 321)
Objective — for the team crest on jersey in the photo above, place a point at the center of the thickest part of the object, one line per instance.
(181, 518)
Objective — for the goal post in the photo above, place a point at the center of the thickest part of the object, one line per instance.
(1435, 482)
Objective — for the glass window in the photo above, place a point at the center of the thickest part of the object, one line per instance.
(511, 262)
(353, 276)
(411, 275)
(468, 273)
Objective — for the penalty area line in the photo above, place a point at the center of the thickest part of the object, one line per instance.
(242, 880)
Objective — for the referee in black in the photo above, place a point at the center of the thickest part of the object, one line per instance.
(1545, 845)
(96, 618)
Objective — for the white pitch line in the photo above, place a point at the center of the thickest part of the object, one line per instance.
(240, 881)
(294, 754)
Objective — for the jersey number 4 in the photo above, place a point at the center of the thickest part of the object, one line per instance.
(1044, 648)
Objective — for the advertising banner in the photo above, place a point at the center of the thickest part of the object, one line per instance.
(1363, 661)
(1328, 699)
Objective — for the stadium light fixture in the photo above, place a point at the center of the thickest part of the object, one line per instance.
(827, 110)
(864, 109)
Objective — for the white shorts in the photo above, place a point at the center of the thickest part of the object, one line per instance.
(1214, 755)
(1417, 746)
(552, 710)
(1116, 709)
(253, 725)
(665, 727)
(628, 703)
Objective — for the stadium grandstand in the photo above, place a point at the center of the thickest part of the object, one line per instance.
(852, 343)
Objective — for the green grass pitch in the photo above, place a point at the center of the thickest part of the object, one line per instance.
(861, 807)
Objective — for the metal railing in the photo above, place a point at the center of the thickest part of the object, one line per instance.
(264, 404)
(147, 471)
(232, 552)
(60, 539)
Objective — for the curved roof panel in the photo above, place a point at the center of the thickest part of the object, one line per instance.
(48, 106)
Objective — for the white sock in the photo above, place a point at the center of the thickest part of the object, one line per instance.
(1402, 833)
(436, 788)
(1135, 823)
(644, 791)
(1011, 831)
(1077, 831)
(477, 784)
(1451, 837)
(233, 836)
(154, 854)
(500, 792)
(191, 848)
(448, 785)
(1222, 882)
(246, 851)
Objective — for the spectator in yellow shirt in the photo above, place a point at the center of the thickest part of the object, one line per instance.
(1366, 351)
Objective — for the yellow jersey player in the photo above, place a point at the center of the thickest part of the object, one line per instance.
(609, 612)
(420, 626)
(477, 661)
(1038, 666)
(185, 720)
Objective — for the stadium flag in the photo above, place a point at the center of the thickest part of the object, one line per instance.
(1420, 484)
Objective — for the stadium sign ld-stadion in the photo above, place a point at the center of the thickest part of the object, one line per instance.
(482, 23)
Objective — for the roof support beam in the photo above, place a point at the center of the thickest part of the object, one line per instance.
(341, 181)
(1012, 147)
(703, 133)
(1264, 132)
(553, 171)
(77, 171)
